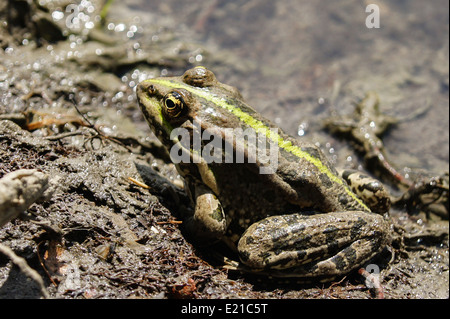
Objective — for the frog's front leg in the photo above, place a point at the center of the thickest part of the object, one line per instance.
(208, 223)
(320, 245)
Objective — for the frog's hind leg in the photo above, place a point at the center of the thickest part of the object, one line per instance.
(370, 190)
(313, 246)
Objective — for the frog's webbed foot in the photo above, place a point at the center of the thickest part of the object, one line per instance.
(208, 223)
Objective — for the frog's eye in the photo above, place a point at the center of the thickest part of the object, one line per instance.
(174, 104)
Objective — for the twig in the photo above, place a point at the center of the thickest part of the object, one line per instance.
(43, 266)
(138, 183)
(92, 126)
(25, 268)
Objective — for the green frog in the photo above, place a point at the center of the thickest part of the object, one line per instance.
(299, 218)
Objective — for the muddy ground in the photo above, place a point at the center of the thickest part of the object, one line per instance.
(68, 109)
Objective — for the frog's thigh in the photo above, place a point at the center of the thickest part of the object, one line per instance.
(370, 190)
(315, 245)
(208, 221)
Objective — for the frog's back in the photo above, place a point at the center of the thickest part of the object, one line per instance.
(303, 176)
(297, 184)
(315, 183)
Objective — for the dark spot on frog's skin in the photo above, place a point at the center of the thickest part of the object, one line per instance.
(350, 255)
(330, 229)
(278, 251)
(244, 256)
(373, 186)
(297, 229)
(277, 235)
(301, 242)
(332, 246)
(325, 180)
(343, 199)
(310, 268)
(279, 262)
(358, 176)
(290, 175)
(245, 108)
(383, 205)
(331, 240)
(355, 231)
(312, 151)
(264, 255)
(301, 254)
(361, 222)
(339, 262)
(288, 155)
(377, 240)
(249, 240)
(294, 219)
(346, 174)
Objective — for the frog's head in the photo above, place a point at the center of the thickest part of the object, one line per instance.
(171, 102)
(194, 101)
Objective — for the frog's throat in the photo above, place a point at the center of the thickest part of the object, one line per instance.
(259, 127)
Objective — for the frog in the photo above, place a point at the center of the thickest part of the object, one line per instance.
(302, 219)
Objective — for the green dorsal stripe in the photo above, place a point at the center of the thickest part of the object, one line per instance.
(259, 127)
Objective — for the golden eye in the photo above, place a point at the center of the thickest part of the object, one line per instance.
(174, 104)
